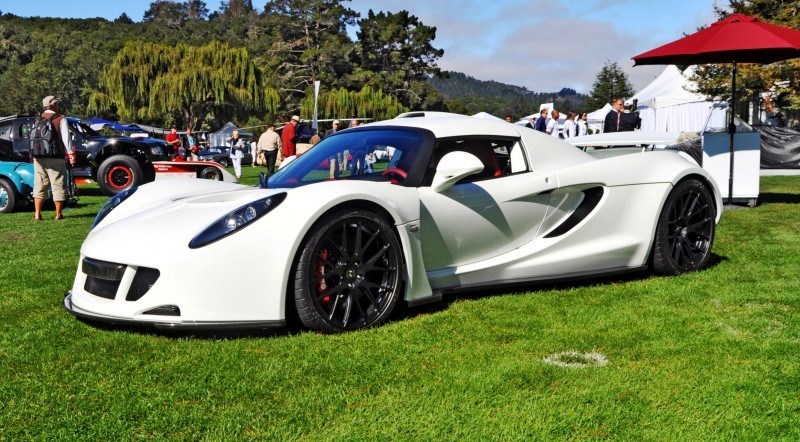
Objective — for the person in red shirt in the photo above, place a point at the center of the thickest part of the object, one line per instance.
(173, 141)
(289, 137)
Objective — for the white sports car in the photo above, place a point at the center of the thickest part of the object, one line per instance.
(338, 239)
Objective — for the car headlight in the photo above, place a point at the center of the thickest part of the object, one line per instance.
(112, 203)
(236, 220)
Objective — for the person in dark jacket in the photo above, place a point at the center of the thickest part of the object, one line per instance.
(613, 117)
(541, 122)
(629, 121)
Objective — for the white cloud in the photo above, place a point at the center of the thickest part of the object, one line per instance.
(547, 45)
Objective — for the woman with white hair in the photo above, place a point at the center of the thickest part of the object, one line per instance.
(237, 153)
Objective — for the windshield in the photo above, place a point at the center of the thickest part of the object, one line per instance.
(373, 155)
(83, 129)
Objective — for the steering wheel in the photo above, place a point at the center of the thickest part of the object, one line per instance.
(396, 171)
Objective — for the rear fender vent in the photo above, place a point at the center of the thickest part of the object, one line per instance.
(164, 310)
(142, 282)
(591, 197)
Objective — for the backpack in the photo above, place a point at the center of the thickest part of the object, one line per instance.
(44, 139)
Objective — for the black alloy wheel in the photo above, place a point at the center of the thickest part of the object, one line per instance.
(349, 272)
(685, 231)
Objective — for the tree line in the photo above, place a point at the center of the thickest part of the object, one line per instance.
(184, 65)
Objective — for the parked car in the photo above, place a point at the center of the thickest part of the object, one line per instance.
(16, 179)
(222, 155)
(116, 163)
(463, 203)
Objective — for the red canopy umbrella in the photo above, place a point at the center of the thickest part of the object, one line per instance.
(736, 39)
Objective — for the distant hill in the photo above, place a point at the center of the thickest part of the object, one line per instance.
(468, 95)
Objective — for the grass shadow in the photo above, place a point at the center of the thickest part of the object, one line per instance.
(449, 297)
(90, 191)
(178, 333)
(778, 198)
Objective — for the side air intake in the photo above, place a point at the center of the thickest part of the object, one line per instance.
(591, 198)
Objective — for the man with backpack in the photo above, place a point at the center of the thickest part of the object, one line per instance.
(50, 143)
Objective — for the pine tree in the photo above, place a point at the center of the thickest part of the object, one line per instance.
(611, 82)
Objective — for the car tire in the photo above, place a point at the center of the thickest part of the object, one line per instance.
(685, 231)
(211, 173)
(224, 162)
(8, 196)
(118, 173)
(349, 272)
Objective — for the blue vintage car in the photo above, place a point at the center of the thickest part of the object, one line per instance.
(16, 185)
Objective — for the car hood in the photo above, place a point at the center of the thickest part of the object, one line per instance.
(194, 204)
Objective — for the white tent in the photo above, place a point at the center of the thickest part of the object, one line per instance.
(668, 104)
(599, 115)
(594, 120)
(488, 116)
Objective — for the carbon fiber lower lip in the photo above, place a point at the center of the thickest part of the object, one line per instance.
(164, 325)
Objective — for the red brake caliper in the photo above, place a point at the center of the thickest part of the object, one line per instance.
(322, 287)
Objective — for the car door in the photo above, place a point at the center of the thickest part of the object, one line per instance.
(478, 219)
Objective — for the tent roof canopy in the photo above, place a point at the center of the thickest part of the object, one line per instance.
(670, 88)
(599, 114)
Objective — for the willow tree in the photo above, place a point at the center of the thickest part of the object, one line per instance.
(153, 82)
(342, 103)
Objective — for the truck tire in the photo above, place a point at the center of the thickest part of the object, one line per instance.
(118, 173)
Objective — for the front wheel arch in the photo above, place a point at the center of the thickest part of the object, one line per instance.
(291, 307)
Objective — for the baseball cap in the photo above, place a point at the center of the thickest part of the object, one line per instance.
(335, 121)
(49, 101)
(295, 118)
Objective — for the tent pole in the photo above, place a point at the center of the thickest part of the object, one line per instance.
(732, 132)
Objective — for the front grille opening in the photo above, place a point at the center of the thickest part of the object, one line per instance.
(164, 310)
(103, 288)
(102, 277)
(142, 282)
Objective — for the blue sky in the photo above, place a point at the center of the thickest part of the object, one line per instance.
(542, 45)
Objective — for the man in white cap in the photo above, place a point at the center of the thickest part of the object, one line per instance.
(333, 129)
(51, 170)
(289, 137)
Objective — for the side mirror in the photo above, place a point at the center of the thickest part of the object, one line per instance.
(453, 167)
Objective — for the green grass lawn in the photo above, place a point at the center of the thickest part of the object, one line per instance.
(709, 355)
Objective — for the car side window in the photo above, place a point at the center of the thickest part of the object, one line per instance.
(500, 157)
(25, 130)
(5, 131)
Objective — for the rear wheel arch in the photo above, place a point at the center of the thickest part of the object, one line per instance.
(685, 227)
(706, 182)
